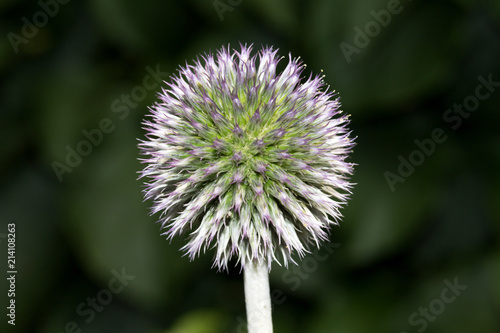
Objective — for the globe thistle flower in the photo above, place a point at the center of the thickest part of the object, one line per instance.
(247, 160)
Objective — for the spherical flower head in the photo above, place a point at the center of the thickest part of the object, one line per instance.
(247, 160)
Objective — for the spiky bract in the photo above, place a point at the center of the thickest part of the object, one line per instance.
(247, 160)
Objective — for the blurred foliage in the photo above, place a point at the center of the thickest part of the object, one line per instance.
(396, 248)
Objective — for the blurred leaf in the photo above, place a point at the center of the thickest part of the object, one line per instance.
(78, 307)
(379, 221)
(412, 56)
(110, 230)
(355, 310)
(66, 109)
(30, 202)
(281, 15)
(151, 25)
(385, 302)
(201, 321)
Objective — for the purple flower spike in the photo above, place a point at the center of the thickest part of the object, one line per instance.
(246, 158)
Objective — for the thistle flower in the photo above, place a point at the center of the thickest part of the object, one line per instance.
(247, 160)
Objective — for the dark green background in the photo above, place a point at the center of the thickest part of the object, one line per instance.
(395, 247)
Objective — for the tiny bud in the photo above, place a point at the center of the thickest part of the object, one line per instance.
(274, 135)
(237, 131)
(220, 121)
(258, 144)
(220, 146)
(255, 121)
(237, 104)
(261, 167)
(258, 190)
(237, 157)
(284, 155)
(238, 177)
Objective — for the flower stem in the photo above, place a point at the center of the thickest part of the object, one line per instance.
(258, 298)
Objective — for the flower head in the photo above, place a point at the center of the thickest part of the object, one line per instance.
(247, 160)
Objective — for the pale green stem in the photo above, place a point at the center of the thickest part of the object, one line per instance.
(258, 298)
